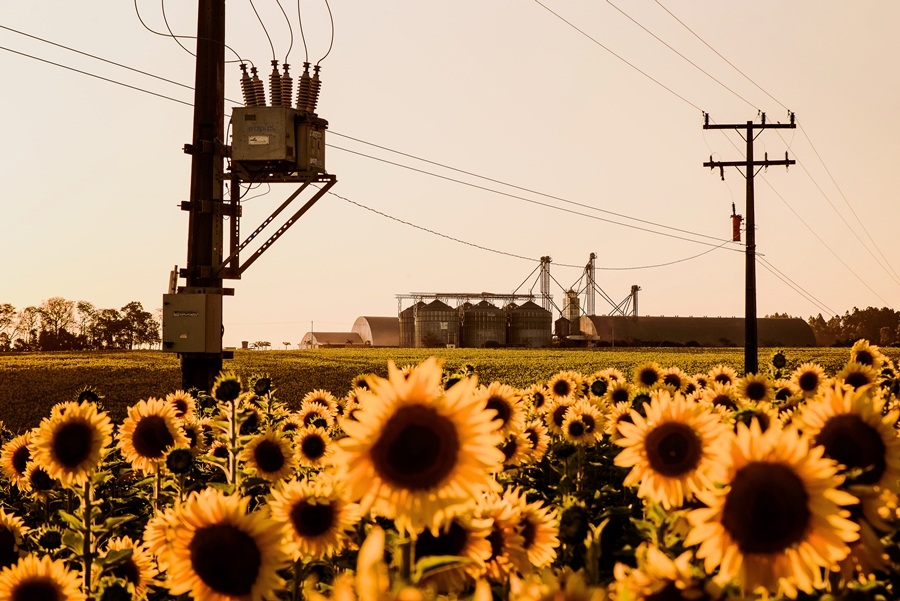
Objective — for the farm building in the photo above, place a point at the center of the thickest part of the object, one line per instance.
(331, 340)
(705, 331)
(378, 331)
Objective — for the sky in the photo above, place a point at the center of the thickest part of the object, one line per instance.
(94, 172)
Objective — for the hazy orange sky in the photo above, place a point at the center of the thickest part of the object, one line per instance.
(93, 172)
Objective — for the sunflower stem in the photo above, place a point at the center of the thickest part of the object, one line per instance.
(156, 489)
(86, 549)
(407, 552)
(298, 566)
(580, 475)
(232, 445)
(181, 478)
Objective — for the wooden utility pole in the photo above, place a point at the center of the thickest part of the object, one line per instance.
(199, 369)
(751, 343)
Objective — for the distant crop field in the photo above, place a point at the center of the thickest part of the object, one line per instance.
(31, 383)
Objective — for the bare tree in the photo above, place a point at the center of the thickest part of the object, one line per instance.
(57, 314)
(27, 323)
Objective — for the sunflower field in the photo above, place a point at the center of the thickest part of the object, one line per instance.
(658, 482)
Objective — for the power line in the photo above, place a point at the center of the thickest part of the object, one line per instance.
(268, 37)
(657, 82)
(302, 35)
(522, 198)
(529, 190)
(162, 4)
(290, 29)
(331, 43)
(797, 287)
(695, 65)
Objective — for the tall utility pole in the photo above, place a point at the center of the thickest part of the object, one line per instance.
(199, 369)
(751, 344)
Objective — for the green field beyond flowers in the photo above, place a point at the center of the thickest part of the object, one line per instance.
(31, 383)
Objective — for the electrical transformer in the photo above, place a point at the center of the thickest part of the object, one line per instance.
(276, 140)
(192, 323)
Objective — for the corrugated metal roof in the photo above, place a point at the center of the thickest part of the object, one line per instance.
(379, 331)
(334, 337)
(707, 331)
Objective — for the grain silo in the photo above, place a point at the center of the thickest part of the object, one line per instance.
(483, 325)
(529, 325)
(437, 324)
(408, 325)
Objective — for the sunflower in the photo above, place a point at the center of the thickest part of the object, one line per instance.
(702, 380)
(596, 385)
(137, 569)
(37, 481)
(185, 404)
(516, 449)
(316, 517)
(852, 428)
(722, 397)
(674, 452)
(657, 577)
(290, 425)
(45, 579)
(619, 391)
(723, 374)
(564, 385)
(507, 543)
(537, 396)
(509, 417)
(219, 551)
(195, 434)
(756, 388)
(323, 398)
(269, 456)
(11, 530)
(808, 379)
(227, 387)
(151, 428)
(538, 440)
(15, 457)
(764, 413)
(647, 374)
(867, 354)
(314, 414)
(619, 413)
(314, 448)
(361, 381)
(778, 520)
(159, 534)
(538, 527)
(350, 409)
(556, 414)
(462, 535)
(674, 376)
(857, 375)
(69, 445)
(415, 452)
(249, 416)
(582, 424)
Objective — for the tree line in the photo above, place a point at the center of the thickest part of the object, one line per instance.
(59, 324)
(878, 326)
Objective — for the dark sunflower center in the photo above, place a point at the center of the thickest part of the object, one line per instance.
(723, 379)
(620, 395)
(538, 400)
(723, 400)
(529, 531)
(690, 388)
(865, 357)
(756, 391)
(673, 449)
(671, 592)
(151, 436)
(227, 390)
(289, 427)
(313, 447)
(783, 394)
(191, 434)
(417, 448)
(598, 387)
(220, 452)
(269, 456)
(501, 406)
(312, 519)
(8, 553)
(41, 480)
(576, 429)
(72, 443)
(533, 437)
(559, 414)
(747, 418)
(589, 423)
(648, 377)
(625, 417)
(181, 407)
(509, 448)
(562, 388)
(808, 381)
(857, 379)
(36, 589)
(320, 402)
(451, 542)
(225, 558)
(767, 508)
(251, 423)
(314, 418)
(852, 442)
(496, 540)
(672, 380)
(127, 570)
(20, 459)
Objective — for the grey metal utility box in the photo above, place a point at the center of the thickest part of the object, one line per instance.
(311, 144)
(263, 134)
(192, 323)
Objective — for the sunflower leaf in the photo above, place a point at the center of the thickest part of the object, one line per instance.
(73, 541)
(114, 558)
(435, 564)
(111, 523)
(71, 520)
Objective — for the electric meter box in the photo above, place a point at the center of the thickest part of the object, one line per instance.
(192, 323)
(276, 140)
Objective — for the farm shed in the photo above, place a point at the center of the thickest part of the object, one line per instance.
(706, 331)
(378, 331)
(331, 340)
